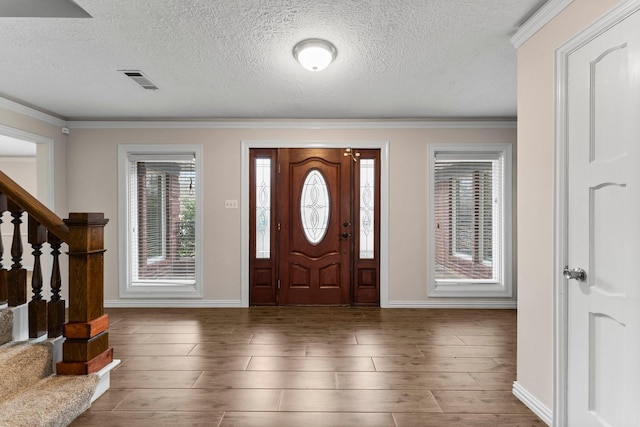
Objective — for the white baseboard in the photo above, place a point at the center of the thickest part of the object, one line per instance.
(20, 322)
(104, 379)
(544, 413)
(454, 304)
(174, 303)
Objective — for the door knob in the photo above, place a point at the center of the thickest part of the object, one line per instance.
(575, 273)
(346, 235)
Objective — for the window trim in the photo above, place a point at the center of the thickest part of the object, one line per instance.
(142, 289)
(467, 288)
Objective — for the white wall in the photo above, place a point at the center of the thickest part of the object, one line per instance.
(536, 87)
(92, 186)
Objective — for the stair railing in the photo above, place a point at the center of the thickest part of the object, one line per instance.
(86, 348)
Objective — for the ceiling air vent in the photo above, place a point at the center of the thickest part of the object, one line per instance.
(138, 77)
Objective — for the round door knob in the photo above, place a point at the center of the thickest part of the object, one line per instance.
(575, 273)
(346, 235)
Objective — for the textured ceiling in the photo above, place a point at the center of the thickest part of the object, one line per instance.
(232, 59)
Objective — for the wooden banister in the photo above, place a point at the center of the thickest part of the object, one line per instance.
(86, 349)
(33, 206)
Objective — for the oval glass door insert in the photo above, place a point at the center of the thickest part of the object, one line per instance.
(314, 207)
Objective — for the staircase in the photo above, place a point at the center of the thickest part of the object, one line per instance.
(55, 357)
(31, 395)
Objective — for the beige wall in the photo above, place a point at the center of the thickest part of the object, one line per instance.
(55, 167)
(23, 171)
(535, 193)
(53, 132)
(92, 186)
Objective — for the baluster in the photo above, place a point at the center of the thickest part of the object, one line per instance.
(56, 305)
(37, 306)
(3, 272)
(17, 277)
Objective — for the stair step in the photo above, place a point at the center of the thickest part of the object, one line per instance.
(23, 364)
(6, 326)
(51, 402)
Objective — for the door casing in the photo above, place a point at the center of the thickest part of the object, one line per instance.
(561, 242)
(383, 146)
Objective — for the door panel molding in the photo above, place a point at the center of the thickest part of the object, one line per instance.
(383, 146)
(561, 202)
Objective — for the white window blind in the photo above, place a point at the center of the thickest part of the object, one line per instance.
(467, 209)
(470, 224)
(161, 210)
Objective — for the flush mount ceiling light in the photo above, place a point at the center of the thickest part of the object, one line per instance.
(315, 54)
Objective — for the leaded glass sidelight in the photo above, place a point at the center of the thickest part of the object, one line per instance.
(263, 208)
(314, 207)
(367, 190)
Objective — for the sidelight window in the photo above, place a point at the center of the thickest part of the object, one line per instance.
(263, 207)
(367, 208)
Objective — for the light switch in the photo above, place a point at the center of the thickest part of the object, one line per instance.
(231, 204)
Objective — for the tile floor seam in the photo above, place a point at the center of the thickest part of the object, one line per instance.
(197, 379)
(280, 401)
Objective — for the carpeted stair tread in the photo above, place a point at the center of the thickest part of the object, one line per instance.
(23, 364)
(51, 402)
(6, 326)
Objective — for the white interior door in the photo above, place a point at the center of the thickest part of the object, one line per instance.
(603, 142)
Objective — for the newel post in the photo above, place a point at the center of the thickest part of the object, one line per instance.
(86, 348)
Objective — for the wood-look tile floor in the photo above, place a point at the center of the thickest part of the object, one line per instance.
(311, 366)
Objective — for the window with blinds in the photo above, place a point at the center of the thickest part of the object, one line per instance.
(161, 218)
(468, 208)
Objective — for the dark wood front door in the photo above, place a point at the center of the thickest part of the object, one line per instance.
(314, 220)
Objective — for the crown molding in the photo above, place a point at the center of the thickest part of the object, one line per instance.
(298, 124)
(502, 123)
(31, 112)
(538, 20)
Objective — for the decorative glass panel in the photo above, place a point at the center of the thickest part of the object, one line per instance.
(314, 207)
(367, 190)
(263, 208)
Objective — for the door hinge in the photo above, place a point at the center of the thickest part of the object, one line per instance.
(278, 226)
(278, 283)
(278, 167)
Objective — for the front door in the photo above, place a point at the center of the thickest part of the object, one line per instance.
(316, 226)
(314, 220)
(603, 249)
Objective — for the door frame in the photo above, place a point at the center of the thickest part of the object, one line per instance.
(44, 162)
(561, 203)
(383, 146)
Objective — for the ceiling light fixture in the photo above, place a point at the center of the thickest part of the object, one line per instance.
(315, 54)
